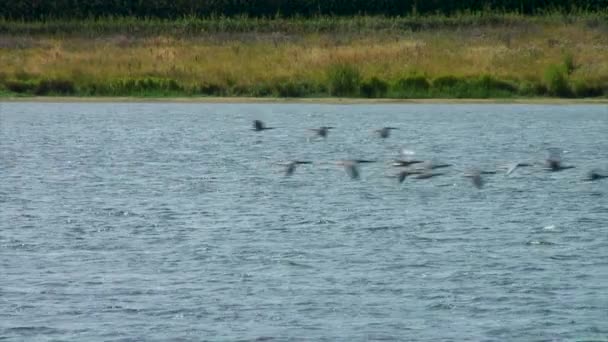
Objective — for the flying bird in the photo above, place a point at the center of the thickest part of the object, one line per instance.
(430, 165)
(594, 175)
(512, 167)
(321, 131)
(351, 166)
(260, 126)
(476, 179)
(385, 132)
(554, 161)
(417, 174)
(405, 163)
(290, 167)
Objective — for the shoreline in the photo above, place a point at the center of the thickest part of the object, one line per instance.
(318, 100)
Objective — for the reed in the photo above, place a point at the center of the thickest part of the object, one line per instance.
(465, 55)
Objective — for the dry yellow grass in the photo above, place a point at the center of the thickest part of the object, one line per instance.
(512, 53)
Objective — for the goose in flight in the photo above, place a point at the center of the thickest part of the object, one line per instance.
(594, 175)
(260, 126)
(351, 166)
(290, 167)
(321, 131)
(417, 174)
(512, 167)
(424, 172)
(554, 161)
(405, 158)
(385, 132)
(430, 165)
(405, 163)
(476, 178)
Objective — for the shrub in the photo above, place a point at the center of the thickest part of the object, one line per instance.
(56, 87)
(292, 89)
(531, 88)
(144, 86)
(487, 86)
(569, 64)
(412, 86)
(472, 87)
(262, 90)
(343, 80)
(584, 89)
(374, 87)
(556, 80)
(493, 84)
(413, 83)
(452, 86)
(445, 82)
(21, 87)
(210, 89)
(240, 90)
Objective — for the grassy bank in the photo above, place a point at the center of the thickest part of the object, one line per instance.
(463, 56)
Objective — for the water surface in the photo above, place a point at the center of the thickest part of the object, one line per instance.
(174, 221)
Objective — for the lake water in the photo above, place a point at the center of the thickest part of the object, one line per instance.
(152, 221)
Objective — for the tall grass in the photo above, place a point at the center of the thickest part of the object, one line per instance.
(469, 55)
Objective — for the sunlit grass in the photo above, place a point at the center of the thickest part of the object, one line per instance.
(246, 57)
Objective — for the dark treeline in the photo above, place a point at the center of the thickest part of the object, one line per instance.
(171, 9)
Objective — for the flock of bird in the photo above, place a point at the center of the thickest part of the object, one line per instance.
(420, 169)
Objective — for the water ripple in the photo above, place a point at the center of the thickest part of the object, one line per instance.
(140, 221)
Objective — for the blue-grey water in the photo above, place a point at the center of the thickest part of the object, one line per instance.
(175, 221)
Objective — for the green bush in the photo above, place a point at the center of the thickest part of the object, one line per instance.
(446, 82)
(531, 88)
(210, 89)
(556, 80)
(294, 89)
(452, 86)
(262, 90)
(488, 86)
(374, 88)
(569, 64)
(343, 80)
(144, 86)
(583, 89)
(413, 83)
(21, 87)
(472, 87)
(55, 87)
(491, 84)
(239, 90)
(412, 87)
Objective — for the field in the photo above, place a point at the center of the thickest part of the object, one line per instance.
(461, 56)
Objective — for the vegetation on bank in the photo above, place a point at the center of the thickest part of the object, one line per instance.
(482, 55)
(190, 26)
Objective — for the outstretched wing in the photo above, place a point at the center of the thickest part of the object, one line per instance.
(290, 169)
(352, 170)
(402, 176)
(554, 157)
(512, 168)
